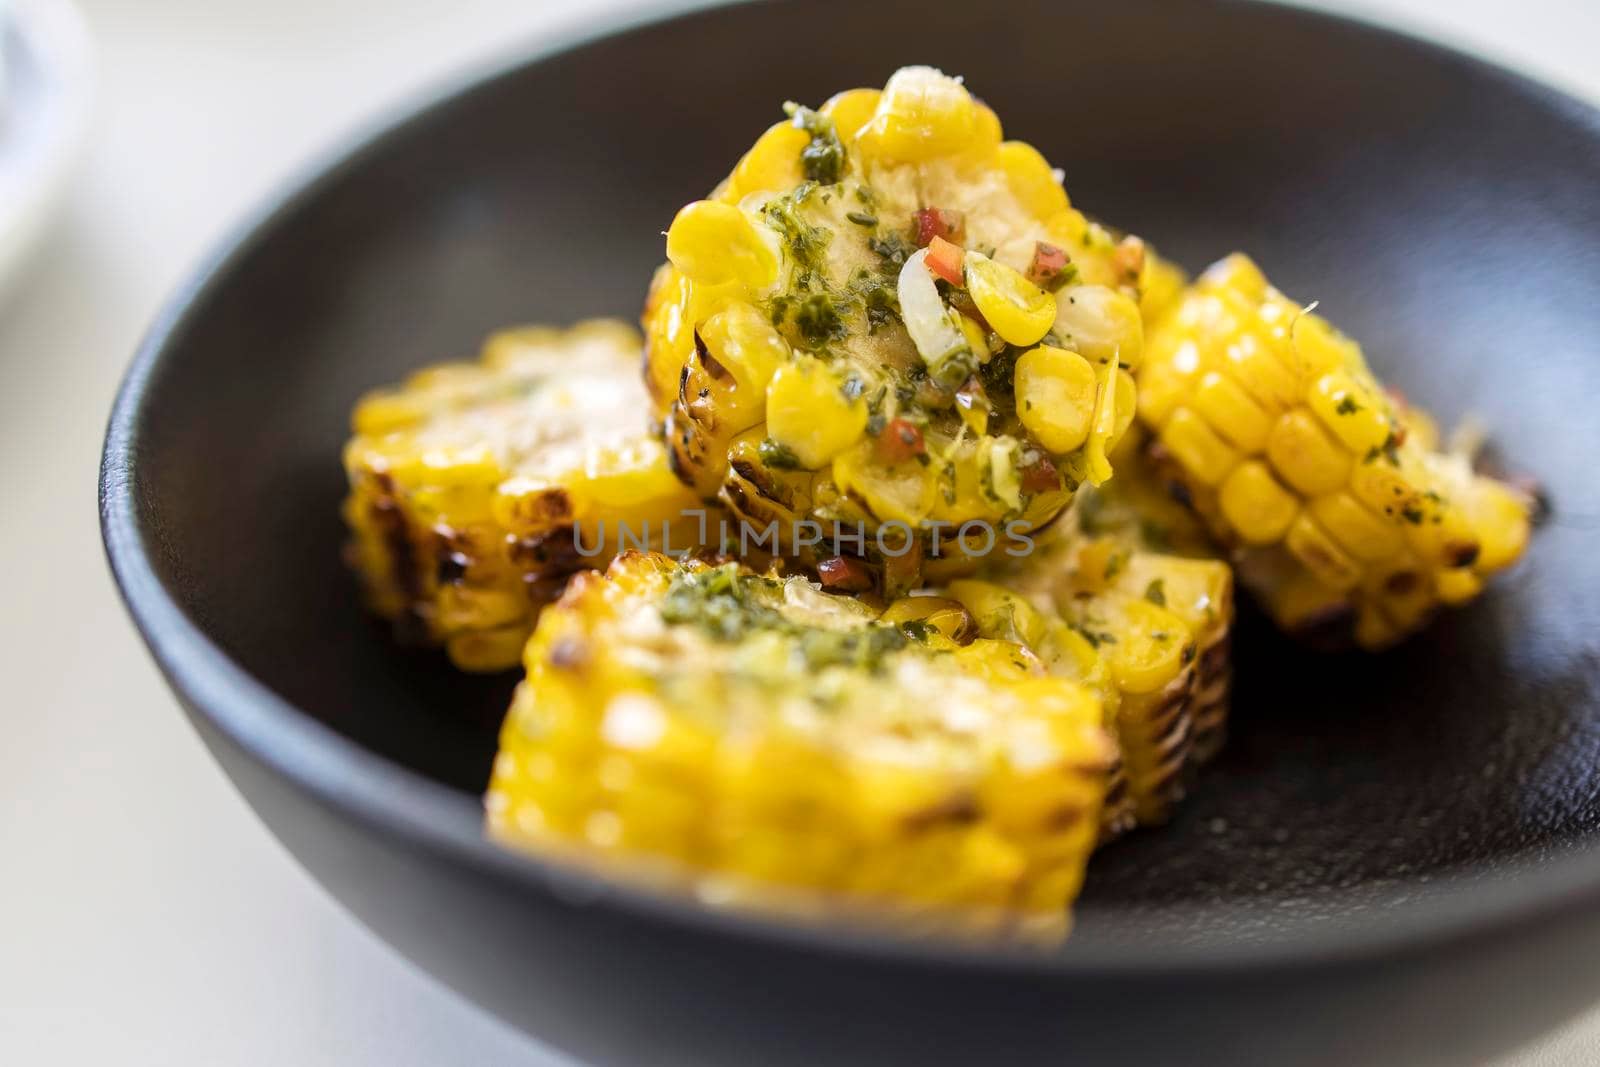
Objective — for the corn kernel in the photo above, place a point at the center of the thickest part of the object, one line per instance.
(1100, 323)
(899, 492)
(1031, 179)
(1364, 535)
(1231, 411)
(851, 110)
(1499, 516)
(1257, 508)
(1456, 587)
(1238, 273)
(1019, 311)
(1196, 445)
(717, 243)
(950, 617)
(808, 412)
(1151, 642)
(742, 341)
(1322, 556)
(771, 165)
(922, 115)
(1252, 363)
(1305, 456)
(1350, 410)
(1055, 395)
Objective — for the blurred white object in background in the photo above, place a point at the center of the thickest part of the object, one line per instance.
(44, 107)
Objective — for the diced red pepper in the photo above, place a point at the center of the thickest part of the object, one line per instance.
(900, 441)
(845, 574)
(1041, 476)
(944, 261)
(934, 222)
(1048, 265)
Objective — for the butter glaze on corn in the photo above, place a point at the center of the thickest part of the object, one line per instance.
(778, 355)
(760, 743)
(470, 482)
(1341, 512)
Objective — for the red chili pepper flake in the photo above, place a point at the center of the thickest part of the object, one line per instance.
(1041, 476)
(1049, 266)
(931, 222)
(900, 441)
(944, 261)
(845, 574)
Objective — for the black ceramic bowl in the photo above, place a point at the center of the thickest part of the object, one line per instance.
(1397, 860)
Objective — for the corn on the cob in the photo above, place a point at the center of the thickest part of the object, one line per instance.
(887, 315)
(1149, 630)
(761, 742)
(1340, 511)
(477, 488)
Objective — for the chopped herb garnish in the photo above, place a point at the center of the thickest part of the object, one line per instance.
(778, 456)
(861, 218)
(1156, 592)
(823, 158)
(1347, 405)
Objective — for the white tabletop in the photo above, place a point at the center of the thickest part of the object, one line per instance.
(146, 917)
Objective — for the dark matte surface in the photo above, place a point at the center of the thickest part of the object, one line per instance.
(1443, 212)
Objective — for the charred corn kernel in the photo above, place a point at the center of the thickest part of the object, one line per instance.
(773, 162)
(1016, 309)
(851, 110)
(848, 200)
(1231, 410)
(1321, 554)
(468, 515)
(759, 743)
(921, 115)
(1100, 323)
(810, 412)
(1032, 179)
(1255, 505)
(1055, 396)
(715, 243)
(1204, 454)
(1305, 455)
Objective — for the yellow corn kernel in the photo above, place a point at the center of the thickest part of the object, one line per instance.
(922, 115)
(1499, 516)
(1305, 456)
(1000, 614)
(386, 410)
(1350, 410)
(808, 412)
(1100, 323)
(1374, 630)
(1055, 394)
(1019, 311)
(851, 110)
(1322, 556)
(1252, 363)
(1151, 643)
(1236, 272)
(772, 164)
(742, 340)
(1160, 285)
(498, 649)
(1320, 349)
(949, 617)
(900, 492)
(1031, 179)
(1207, 457)
(464, 607)
(1165, 383)
(631, 479)
(717, 243)
(1364, 535)
(1231, 411)
(1456, 587)
(1257, 508)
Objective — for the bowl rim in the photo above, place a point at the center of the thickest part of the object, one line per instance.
(1460, 907)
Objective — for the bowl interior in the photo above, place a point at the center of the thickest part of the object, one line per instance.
(1442, 212)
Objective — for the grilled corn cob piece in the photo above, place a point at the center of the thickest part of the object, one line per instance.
(1148, 630)
(477, 488)
(1340, 511)
(762, 743)
(889, 318)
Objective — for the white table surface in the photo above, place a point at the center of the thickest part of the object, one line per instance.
(146, 917)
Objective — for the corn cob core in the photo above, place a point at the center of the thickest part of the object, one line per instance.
(765, 743)
(477, 488)
(800, 369)
(1338, 506)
